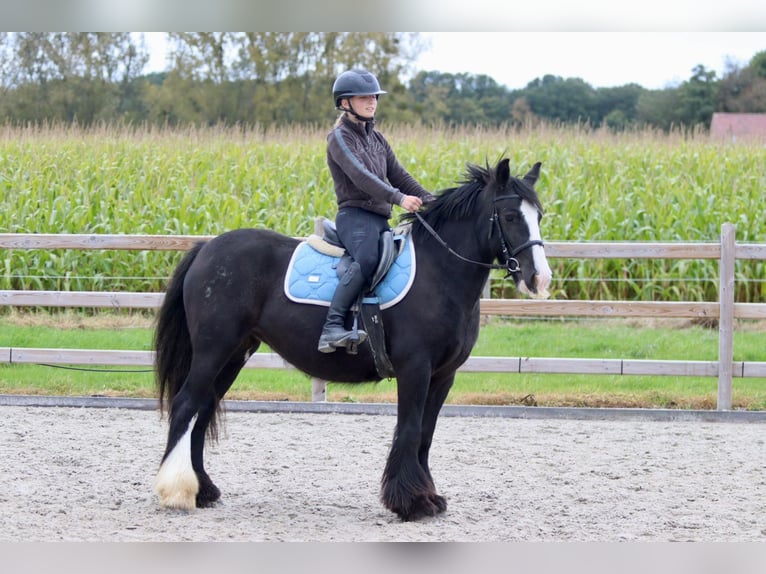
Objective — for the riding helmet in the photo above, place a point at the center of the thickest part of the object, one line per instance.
(355, 83)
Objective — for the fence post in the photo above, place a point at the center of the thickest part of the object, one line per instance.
(318, 390)
(726, 315)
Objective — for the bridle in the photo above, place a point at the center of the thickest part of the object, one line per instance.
(511, 264)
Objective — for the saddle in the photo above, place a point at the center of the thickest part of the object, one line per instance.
(390, 247)
(307, 281)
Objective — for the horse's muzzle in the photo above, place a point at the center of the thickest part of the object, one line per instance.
(541, 282)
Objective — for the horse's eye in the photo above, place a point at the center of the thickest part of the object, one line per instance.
(511, 216)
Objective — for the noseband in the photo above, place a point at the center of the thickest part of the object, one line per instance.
(511, 264)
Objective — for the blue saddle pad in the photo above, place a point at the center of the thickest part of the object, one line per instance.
(311, 276)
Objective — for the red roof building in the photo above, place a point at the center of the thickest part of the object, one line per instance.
(736, 127)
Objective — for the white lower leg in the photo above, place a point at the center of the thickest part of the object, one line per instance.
(176, 483)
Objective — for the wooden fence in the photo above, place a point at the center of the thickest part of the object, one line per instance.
(725, 310)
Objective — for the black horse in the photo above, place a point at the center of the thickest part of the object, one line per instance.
(226, 297)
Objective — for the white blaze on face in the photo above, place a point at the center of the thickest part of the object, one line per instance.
(543, 274)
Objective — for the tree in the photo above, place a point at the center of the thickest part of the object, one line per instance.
(286, 77)
(6, 63)
(658, 108)
(617, 107)
(688, 105)
(268, 77)
(744, 89)
(758, 65)
(73, 75)
(565, 100)
(697, 98)
(202, 55)
(461, 98)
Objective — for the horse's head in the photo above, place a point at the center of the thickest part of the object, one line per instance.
(514, 224)
(516, 230)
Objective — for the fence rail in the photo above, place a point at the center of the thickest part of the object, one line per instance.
(725, 310)
(500, 307)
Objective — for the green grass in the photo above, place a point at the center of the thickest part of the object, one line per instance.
(612, 338)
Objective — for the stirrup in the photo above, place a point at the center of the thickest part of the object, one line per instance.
(350, 340)
(351, 343)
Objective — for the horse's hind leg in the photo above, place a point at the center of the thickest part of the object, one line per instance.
(208, 492)
(177, 484)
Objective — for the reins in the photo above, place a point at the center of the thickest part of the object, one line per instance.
(443, 243)
(511, 263)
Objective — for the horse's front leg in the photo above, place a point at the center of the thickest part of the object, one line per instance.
(407, 489)
(437, 394)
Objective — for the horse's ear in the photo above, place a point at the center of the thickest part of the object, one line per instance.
(533, 174)
(503, 172)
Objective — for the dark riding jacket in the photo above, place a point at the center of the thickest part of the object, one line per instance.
(365, 169)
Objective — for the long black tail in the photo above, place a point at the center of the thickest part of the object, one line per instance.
(172, 344)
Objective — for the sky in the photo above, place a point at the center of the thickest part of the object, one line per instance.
(654, 60)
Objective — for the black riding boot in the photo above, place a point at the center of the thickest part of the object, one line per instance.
(334, 333)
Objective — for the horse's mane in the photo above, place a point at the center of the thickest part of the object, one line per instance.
(466, 199)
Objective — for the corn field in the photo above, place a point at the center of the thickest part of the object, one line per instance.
(595, 186)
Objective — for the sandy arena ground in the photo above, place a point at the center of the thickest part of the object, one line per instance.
(86, 474)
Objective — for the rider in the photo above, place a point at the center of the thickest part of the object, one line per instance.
(368, 181)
